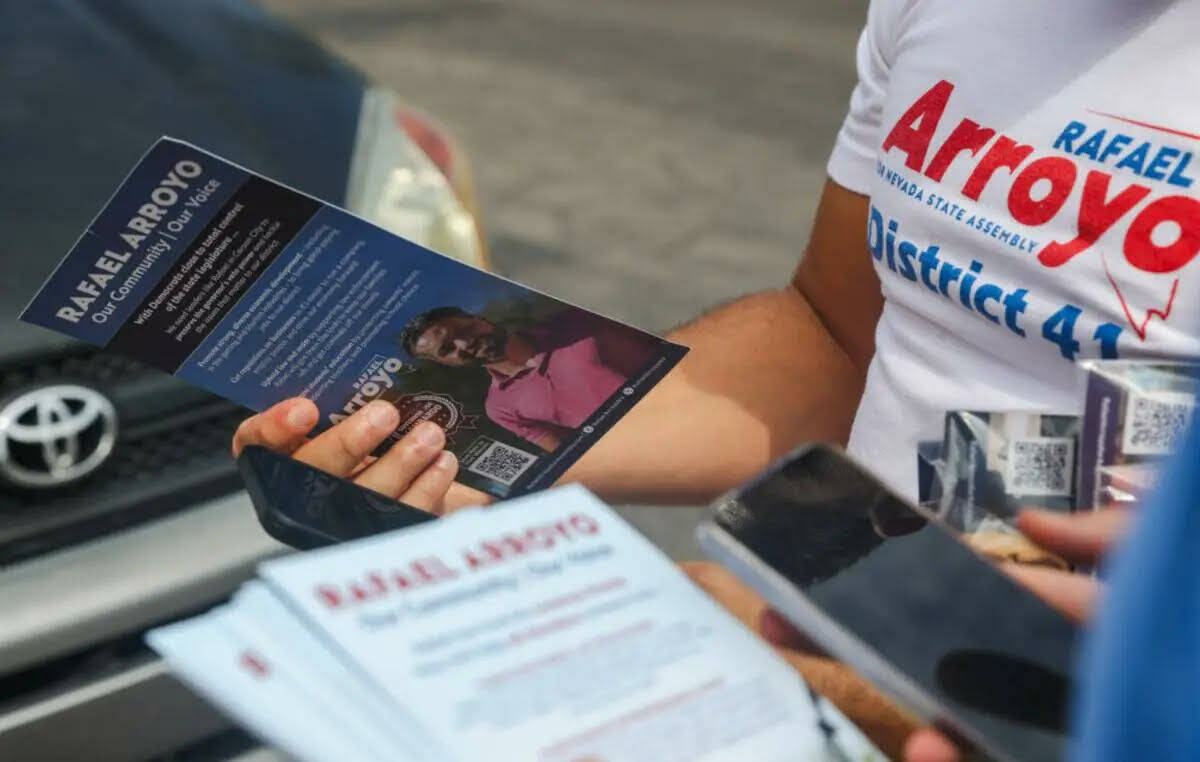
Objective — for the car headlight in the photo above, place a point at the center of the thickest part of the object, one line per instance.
(409, 177)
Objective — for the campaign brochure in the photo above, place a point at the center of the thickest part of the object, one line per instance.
(545, 629)
(259, 292)
(1134, 415)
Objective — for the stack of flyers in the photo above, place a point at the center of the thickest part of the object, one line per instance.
(257, 292)
(546, 629)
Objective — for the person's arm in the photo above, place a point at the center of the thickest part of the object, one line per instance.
(765, 373)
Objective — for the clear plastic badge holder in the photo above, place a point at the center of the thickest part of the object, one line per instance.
(992, 464)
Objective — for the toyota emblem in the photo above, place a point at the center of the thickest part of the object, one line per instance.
(55, 435)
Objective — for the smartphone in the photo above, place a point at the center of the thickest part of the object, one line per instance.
(305, 507)
(899, 598)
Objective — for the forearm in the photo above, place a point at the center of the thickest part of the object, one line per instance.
(762, 376)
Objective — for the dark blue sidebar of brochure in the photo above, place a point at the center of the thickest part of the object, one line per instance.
(149, 226)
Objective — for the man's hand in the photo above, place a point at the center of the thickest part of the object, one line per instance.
(416, 470)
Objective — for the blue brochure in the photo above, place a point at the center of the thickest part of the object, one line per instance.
(258, 292)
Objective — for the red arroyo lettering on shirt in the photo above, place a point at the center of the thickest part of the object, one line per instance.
(376, 584)
(1100, 209)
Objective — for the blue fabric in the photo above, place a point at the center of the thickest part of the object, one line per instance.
(1139, 680)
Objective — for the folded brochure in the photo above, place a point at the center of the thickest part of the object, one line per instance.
(545, 629)
(259, 292)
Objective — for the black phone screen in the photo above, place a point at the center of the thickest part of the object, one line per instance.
(983, 648)
(308, 508)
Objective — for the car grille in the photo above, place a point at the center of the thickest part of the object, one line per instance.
(172, 450)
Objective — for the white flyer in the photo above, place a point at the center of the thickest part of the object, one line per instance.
(543, 630)
(549, 630)
(258, 692)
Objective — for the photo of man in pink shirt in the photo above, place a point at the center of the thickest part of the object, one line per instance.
(547, 378)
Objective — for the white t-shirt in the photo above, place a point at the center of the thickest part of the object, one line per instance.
(1034, 175)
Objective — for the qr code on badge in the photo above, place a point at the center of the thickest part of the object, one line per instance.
(1041, 466)
(1154, 422)
(503, 463)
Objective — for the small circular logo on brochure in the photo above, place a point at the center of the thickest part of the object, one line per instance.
(442, 409)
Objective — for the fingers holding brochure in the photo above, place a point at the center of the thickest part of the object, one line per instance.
(416, 470)
(342, 448)
(283, 427)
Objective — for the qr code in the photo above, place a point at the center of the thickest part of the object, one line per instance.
(1041, 466)
(503, 463)
(1154, 422)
